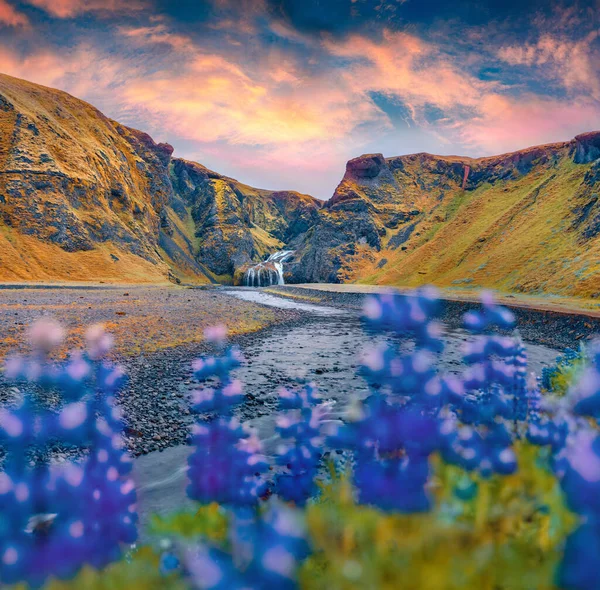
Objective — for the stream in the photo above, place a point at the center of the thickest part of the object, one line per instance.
(325, 348)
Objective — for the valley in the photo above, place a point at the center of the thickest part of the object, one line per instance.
(86, 199)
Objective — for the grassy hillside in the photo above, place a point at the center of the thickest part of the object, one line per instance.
(80, 195)
(517, 235)
(83, 197)
(526, 222)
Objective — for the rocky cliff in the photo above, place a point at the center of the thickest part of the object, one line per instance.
(528, 221)
(235, 224)
(83, 197)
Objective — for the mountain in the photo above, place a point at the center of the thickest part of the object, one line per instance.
(83, 197)
(527, 221)
(235, 224)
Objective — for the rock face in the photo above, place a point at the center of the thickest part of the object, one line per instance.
(236, 224)
(83, 197)
(587, 147)
(525, 221)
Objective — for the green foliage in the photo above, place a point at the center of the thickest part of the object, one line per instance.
(138, 572)
(508, 534)
(209, 522)
(568, 367)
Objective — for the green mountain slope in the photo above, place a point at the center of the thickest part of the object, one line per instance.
(83, 197)
(524, 222)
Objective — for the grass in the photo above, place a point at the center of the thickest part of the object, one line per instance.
(512, 236)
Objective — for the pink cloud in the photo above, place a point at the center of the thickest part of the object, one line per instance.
(405, 66)
(71, 8)
(157, 34)
(573, 63)
(11, 17)
(506, 123)
(209, 97)
(294, 119)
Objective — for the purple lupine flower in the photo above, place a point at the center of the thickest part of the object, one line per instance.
(584, 395)
(226, 465)
(64, 517)
(494, 393)
(408, 314)
(266, 553)
(394, 432)
(301, 454)
(393, 484)
(579, 566)
(577, 464)
(227, 462)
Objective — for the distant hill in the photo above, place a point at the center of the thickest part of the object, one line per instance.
(83, 197)
(528, 221)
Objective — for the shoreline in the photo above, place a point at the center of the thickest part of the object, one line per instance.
(570, 306)
(556, 328)
(154, 400)
(544, 302)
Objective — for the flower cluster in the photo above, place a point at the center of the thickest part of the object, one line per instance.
(396, 429)
(578, 467)
(494, 392)
(227, 462)
(301, 458)
(265, 553)
(58, 518)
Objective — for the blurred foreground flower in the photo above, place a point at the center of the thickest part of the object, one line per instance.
(227, 460)
(58, 518)
(265, 552)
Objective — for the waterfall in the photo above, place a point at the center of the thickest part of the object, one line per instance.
(269, 272)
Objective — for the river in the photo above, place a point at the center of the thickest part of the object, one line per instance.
(325, 348)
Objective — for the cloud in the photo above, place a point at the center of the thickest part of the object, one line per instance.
(574, 63)
(286, 108)
(156, 34)
(213, 99)
(73, 8)
(10, 16)
(508, 123)
(208, 97)
(405, 66)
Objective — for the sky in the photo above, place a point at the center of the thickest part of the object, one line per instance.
(281, 93)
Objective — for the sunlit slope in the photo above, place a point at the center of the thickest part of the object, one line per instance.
(522, 235)
(83, 197)
(523, 222)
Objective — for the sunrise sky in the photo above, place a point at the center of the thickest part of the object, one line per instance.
(280, 93)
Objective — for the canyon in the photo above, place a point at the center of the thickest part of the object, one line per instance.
(84, 198)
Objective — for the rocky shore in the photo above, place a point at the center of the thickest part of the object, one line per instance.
(161, 334)
(157, 332)
(552, 328)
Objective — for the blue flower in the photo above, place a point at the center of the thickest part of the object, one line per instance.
(226, 464)
(58, 519)
(579, 567)
(265, 553)
(301, 455)
(227, 461)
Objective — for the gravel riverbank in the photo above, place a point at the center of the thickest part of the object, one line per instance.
(158, 331)
(552, 328)
(160, 335)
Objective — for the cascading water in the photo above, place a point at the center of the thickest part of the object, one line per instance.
(268, 272)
